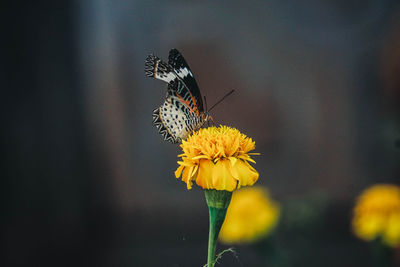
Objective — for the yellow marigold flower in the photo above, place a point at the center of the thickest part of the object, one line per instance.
(217, 158)
(377, 214)
(251, 216)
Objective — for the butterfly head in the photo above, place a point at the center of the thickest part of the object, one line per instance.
(206, 118)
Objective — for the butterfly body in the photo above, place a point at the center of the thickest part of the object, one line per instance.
(182, 111)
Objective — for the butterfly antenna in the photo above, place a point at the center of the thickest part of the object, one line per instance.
(205, 102)
(222, 99)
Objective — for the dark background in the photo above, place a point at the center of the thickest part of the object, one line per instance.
(88, 181)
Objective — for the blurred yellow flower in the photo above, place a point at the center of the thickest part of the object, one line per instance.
(251, 216)
(217, 158)
(377, 214)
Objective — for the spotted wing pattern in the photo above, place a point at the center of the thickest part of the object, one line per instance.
(182, 111)
(173, 121)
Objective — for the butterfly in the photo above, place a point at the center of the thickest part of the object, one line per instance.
(182, 111)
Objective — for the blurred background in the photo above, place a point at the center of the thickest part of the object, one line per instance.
(88, 181)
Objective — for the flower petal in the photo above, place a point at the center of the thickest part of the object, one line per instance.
(251, 160)
(201, 157)
(185, 175)
(244, 173)
(204, 176)
(190, 172)
(178, 171)
(222, 178)
(186, 164)
(233, 160)
(391, 234)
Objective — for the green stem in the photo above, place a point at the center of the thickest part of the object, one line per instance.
(217, 202)
(382, 254)
(217, 217)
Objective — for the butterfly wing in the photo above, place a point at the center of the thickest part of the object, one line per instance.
(178, 75)
(182, 69)
(174, 120)
(155, 67)
(181, 111)
(169, 120)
